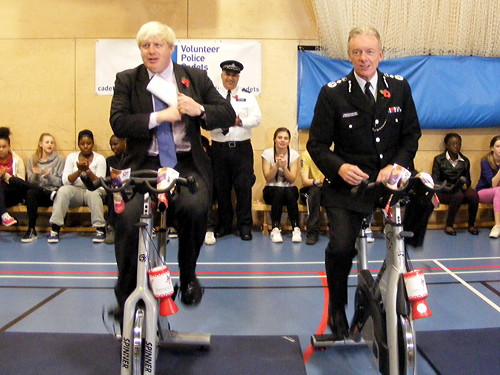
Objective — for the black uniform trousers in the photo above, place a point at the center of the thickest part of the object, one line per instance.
(311, 196)
(344, 226)
(190, 212)
(232, 166)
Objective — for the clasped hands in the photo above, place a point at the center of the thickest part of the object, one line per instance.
(185, 106)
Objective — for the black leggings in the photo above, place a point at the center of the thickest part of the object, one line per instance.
(278, 197)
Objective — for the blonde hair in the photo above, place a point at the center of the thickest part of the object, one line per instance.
(155, 29)
(39, 151)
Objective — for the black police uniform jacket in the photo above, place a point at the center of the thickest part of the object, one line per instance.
(370, 139)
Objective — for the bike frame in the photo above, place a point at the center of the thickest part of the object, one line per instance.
(389, 281)
(141, 294)
(142, 335)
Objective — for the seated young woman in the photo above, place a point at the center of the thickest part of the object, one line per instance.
(11, 165)
(85, 164)
(488, 187)
(453, 167)
(44, 171)
(280, 165)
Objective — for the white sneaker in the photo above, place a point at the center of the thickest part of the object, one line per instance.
(210, 238)
(276, 235)
(369, 235)
(296, 235)
(495, 231)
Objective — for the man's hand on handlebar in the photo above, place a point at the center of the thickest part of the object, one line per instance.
(352, 174)
(384, 173)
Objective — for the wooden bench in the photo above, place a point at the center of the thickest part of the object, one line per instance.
(72, 222)
(262, 211)
(484, 217)
(437, 220)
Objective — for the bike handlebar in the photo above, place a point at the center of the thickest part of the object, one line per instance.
(412, 182)
(143, 180)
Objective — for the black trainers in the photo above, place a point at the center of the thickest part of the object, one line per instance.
(110, 235)
(30, 235)
(99, 236)
(312, 238)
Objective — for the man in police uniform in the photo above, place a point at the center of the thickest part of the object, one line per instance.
(232, 155)
(370, 131)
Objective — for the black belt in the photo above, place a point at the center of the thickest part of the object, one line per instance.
(231, 144)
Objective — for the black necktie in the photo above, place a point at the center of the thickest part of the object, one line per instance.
(228, 98)
(369, 95)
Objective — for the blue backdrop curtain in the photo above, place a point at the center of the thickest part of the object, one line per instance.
(449, 91)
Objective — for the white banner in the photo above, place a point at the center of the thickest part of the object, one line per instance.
(114, 55)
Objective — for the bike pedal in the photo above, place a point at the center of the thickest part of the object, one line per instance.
(111, 323)
(324, 340)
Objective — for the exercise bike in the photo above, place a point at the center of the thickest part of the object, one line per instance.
(385, 308)
(142, 334)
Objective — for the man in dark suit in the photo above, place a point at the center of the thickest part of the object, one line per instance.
(141, 117)
(372, 128)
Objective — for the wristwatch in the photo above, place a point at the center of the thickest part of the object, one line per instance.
(203, 114)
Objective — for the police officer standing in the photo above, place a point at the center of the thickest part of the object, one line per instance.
(232, 155)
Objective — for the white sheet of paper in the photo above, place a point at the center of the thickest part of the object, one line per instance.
(163, 89)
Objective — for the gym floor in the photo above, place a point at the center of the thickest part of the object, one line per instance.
(252, 288)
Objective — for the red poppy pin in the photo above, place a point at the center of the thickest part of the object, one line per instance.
(185, 81)
(235, 97)
(386, 93)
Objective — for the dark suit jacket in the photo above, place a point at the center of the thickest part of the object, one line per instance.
(132, 105)
(342, 117)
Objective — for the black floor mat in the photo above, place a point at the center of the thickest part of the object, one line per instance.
(78, 354)
(467, 352)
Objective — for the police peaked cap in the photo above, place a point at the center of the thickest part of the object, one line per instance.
(232, 66)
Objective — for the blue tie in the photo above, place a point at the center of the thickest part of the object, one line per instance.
(166, 145)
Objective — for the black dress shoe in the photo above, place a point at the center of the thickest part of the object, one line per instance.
(221, 232)
(312, 238)
(473, 230)
(450, 231)
(337, 321)
(192, 293)
(246, 236)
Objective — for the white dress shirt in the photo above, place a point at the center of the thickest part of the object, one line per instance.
(246, 107)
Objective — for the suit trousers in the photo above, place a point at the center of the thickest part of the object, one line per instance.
(189, 211)
(341, 249)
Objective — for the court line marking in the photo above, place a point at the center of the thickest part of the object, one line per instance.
(464, 283)
(239, 263)
(222, 277)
